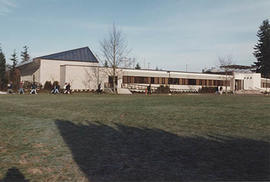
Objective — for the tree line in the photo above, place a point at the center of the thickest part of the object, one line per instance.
(10, 73)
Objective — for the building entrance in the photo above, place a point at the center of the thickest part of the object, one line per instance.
(239, 85)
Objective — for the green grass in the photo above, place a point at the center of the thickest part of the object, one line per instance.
(84, 137)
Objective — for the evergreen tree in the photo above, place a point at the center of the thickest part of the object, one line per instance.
(25, 55)
(262, 49)
(138, 67)
(3, 80)
(14, 60)
(106, 64)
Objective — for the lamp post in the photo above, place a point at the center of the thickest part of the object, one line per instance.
(169, 80)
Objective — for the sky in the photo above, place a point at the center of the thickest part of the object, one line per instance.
(184, 35)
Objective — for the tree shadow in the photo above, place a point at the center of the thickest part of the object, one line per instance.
(14, 175)
(124, 153)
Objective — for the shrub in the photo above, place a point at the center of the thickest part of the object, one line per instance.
(55, 83)
(27, 85)
(47, 85)
(163, 89)
(208, 90)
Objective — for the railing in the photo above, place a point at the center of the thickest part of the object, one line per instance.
(143, 87)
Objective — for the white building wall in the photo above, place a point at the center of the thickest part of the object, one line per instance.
(30, 78)
(83, 77)
(174, 74)
(252, 81)
(50, 69)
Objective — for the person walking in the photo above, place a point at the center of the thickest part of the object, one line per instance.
(10, 88)
(33, 88)
(68, 89)
(65, 88)
(21, 91)
(149, 89)
(55, 89)
(99, 88)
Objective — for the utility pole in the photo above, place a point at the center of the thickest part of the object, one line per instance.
(98, 75)
(144, 63)
(169, 79)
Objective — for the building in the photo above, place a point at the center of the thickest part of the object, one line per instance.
(81, 69)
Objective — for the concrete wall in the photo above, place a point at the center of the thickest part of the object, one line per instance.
(50, 69)
(88, 77)
(33, 77)
(252, 81)
(83, 77)
(172, 74)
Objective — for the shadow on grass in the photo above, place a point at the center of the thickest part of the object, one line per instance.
(124, 153)
(14, 175)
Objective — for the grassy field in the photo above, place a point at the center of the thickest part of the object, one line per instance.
(134, 138)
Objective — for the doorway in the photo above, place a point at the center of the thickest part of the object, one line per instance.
(239, 85)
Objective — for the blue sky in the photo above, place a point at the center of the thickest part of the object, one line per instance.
(169, 34)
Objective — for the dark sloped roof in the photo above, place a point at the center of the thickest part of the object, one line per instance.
(28, 68)
(83, 54)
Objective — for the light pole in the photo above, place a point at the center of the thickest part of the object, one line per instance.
(169, 80)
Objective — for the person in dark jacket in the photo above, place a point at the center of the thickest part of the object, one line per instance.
(33, 88)
(149, 89)
(55, 89)
(99, 90)
(68, 89)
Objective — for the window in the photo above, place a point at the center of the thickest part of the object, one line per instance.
(210, 83)
(111, 80)
(173, 81)
(191, 82)
(138, 79)
(124, 79)
(163, 80)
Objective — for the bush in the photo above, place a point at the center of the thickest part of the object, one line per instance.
(208, 90)
(27, 85)
(47, 85)
(55, 83)
(163, 89)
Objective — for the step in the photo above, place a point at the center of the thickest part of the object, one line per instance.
(123, 91)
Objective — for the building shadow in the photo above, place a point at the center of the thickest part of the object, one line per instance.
(14, 175)
(124, 153)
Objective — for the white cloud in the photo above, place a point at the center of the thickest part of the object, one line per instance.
(6, 6)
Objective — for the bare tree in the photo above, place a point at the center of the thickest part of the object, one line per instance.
(114, 50)
(225, 63)
(91, 77)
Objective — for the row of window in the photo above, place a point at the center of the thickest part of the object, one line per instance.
(265, 85)
(174, 81)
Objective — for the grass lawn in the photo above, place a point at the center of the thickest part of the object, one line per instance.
(84, 137)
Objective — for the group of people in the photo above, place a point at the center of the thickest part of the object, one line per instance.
(33, 89)
(56, 89)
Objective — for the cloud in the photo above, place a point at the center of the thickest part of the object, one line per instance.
(6, 6)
